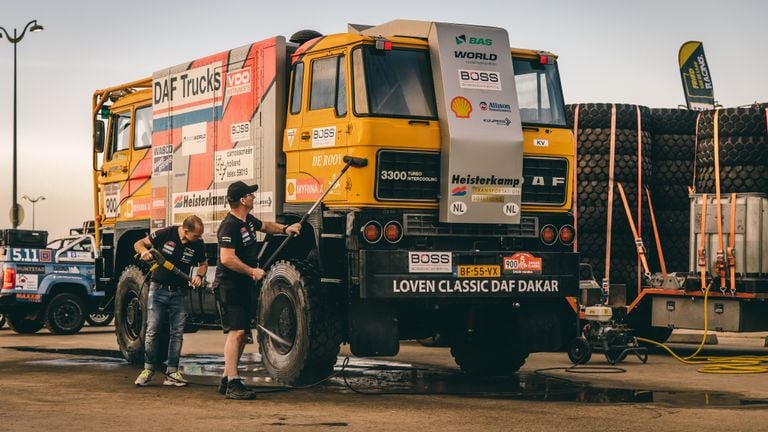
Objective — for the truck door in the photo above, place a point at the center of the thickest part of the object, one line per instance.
(114, 170)
(319, 121)
(126, 168)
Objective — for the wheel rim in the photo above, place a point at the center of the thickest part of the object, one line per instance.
(133, 317)
(578, 351)
(281, 319)
(99, 317)
(67, 315)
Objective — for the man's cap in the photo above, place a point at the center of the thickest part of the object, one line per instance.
(239, 189)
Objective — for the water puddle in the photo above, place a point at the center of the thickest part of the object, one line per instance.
(382, 377)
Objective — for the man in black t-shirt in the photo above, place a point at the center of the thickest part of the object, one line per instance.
(236, 271)
(183, 247)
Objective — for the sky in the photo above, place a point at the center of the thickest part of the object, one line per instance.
(609, 51)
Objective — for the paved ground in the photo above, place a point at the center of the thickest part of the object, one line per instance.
(77, 383)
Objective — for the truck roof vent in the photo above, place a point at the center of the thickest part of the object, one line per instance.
(302, 36)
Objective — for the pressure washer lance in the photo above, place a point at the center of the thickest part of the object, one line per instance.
(351, 161)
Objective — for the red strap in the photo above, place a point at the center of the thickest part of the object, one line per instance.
(720, 245)
(656, 234)
(732, 245)
(638, 240)
(702, 243)
(575, 177)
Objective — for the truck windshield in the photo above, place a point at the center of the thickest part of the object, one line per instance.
(396, 83)
(539, 92)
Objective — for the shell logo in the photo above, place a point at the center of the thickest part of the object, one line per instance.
(461, 107)
(290, 190)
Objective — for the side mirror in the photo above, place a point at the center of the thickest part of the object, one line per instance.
(98, 136)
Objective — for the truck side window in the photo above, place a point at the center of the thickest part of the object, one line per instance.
(329, 88)
(121, 133)
(298, 82)
(143, 133)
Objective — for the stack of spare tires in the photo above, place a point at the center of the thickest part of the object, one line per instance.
(677, 153)
(674, 148)
(632, 168)
(743, 151)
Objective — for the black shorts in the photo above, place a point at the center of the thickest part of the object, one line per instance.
(235, 310)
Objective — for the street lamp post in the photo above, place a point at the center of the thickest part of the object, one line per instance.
(15, 40)
(33, 201)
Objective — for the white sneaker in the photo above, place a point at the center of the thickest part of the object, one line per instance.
(175, 379)
(144, 377)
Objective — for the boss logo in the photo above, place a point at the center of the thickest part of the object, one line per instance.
(324, 133)
(431, 258)
(481, 76)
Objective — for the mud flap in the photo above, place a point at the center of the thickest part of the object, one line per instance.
(373, 329)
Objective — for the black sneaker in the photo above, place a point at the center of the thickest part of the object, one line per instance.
(236, 390)
(223, 385)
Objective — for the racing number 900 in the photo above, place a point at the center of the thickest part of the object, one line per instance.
(393, 175)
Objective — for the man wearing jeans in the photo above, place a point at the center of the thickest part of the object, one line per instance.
(183, 247)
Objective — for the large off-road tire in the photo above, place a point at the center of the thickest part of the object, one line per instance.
(130, 314)
(294, 306)
(486, 355)
(100, 319)
(65, 314)
(2, 321)
(22, 325)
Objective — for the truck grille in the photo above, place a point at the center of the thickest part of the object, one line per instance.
(407, 175)
(415, 176)
(427, 224)
(546, 181)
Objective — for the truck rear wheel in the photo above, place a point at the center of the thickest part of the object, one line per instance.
(486, 355)
(130, 318)
(22, 325)
(306, 331)
(65, 314)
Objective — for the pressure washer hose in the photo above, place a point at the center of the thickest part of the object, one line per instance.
(717, 364)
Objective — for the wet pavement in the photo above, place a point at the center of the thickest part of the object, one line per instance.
(385, 377)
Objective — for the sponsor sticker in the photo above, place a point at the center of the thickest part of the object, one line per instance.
(461, 107)
(474, 286)
(522, 263)
(290, 134)
(430, 262)
(479, 79)
(240, 132)
(162, 160)
(27, 282)
(541, 142)
(29, 297)
(238, 81)
(459, 191)
(303, 189)
(324, 137)
(234, 164)
(495, 190)
(495, 107)
(487, 198)
(194, 138)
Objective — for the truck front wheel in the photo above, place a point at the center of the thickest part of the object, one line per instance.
(130, 319)
(65, 314)
(486, 354)
(301, 333)
(21, 325)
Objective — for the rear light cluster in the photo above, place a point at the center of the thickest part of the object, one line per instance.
(373, 232)
(9, 278)
(550, 235)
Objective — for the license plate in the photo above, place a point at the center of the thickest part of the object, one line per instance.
(478, 271)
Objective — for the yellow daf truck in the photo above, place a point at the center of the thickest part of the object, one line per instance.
(459, 224)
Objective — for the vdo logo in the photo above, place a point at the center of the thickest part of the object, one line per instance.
(430, 258)
(236, 78)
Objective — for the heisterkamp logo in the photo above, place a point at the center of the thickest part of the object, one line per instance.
(471, 40)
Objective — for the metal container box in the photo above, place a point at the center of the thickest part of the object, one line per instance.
(751, 236)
